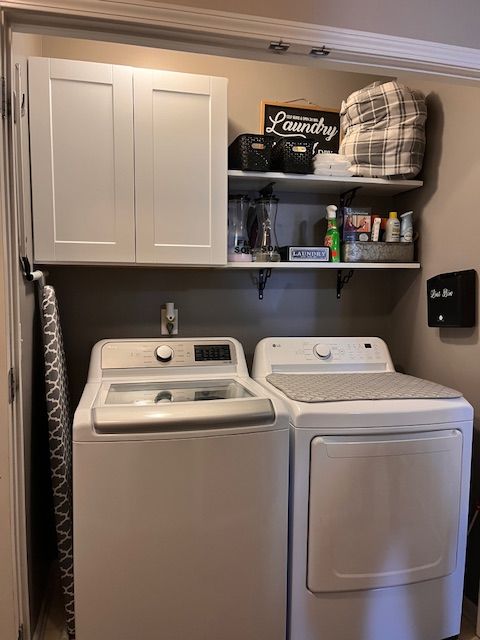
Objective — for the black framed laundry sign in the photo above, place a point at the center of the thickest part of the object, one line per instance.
(289, 120)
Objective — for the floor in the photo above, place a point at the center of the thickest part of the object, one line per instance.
(468, 631)
(54, 627)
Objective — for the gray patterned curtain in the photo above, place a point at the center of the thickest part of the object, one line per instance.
(60, 442)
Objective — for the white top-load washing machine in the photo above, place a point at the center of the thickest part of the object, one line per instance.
(180, 488)
(379, 491)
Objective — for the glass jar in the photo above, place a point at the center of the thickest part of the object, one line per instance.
(266, 246)
(238, 242)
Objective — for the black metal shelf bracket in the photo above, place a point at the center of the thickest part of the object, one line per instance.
(261, 281)
(342, 280)
(346, 198)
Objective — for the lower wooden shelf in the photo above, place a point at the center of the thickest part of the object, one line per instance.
(344, 269)
(322, 265)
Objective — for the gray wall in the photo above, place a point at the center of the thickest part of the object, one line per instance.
(447, 217)
(450, 240)
(435, 20)
(108, 302)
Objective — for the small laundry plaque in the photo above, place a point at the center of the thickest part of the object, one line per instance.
(305, 254)
(290, 120)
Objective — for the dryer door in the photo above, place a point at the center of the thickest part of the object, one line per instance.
(384, 510)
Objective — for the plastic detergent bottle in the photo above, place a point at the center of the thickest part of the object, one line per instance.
(406, 227)
(332, 237)
(392, 232)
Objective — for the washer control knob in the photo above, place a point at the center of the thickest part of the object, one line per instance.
(322, 351)
(164, 396)
(164, 353)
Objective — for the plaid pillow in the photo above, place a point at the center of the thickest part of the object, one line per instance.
(383, 129)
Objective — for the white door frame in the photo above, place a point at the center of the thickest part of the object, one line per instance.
(14, 613)
(9, 609)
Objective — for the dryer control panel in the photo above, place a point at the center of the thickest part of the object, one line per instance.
(326, 354)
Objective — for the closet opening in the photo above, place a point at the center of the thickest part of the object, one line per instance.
(120, 299)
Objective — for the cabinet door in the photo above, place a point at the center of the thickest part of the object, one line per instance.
(82, 158)
(180, 167)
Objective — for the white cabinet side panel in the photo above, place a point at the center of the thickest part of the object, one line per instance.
(219, 164)
(181, 168)
(81, 118)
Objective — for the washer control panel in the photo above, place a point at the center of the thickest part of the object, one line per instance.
(164, 353)
(323, 353)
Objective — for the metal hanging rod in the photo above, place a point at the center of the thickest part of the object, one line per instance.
(32, 276)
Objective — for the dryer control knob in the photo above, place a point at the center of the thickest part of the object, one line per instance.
(322, 351)
(164, 353)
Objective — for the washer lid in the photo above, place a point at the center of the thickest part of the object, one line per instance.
(165, 406)
(173, 418)
(152, 393)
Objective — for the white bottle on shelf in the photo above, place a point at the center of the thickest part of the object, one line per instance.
(392, 233)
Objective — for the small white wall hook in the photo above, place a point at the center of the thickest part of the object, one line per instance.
(169, 319)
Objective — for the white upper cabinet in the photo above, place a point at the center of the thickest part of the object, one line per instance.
(180, 167)
(127, 165)
(82, 161)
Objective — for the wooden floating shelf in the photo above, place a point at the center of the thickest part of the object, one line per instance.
(322, 265)
(311, 183)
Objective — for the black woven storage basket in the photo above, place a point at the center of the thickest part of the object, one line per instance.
(251, 152)
(293, 156)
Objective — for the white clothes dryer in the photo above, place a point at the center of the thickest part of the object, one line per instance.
(180, 490)
(379, 486)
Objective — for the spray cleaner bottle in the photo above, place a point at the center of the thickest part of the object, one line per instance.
(332, 237)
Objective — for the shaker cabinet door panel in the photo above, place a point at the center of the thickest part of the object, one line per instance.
(180, 167)
(82, 161)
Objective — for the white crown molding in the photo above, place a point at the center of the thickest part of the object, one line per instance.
(346, 45)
